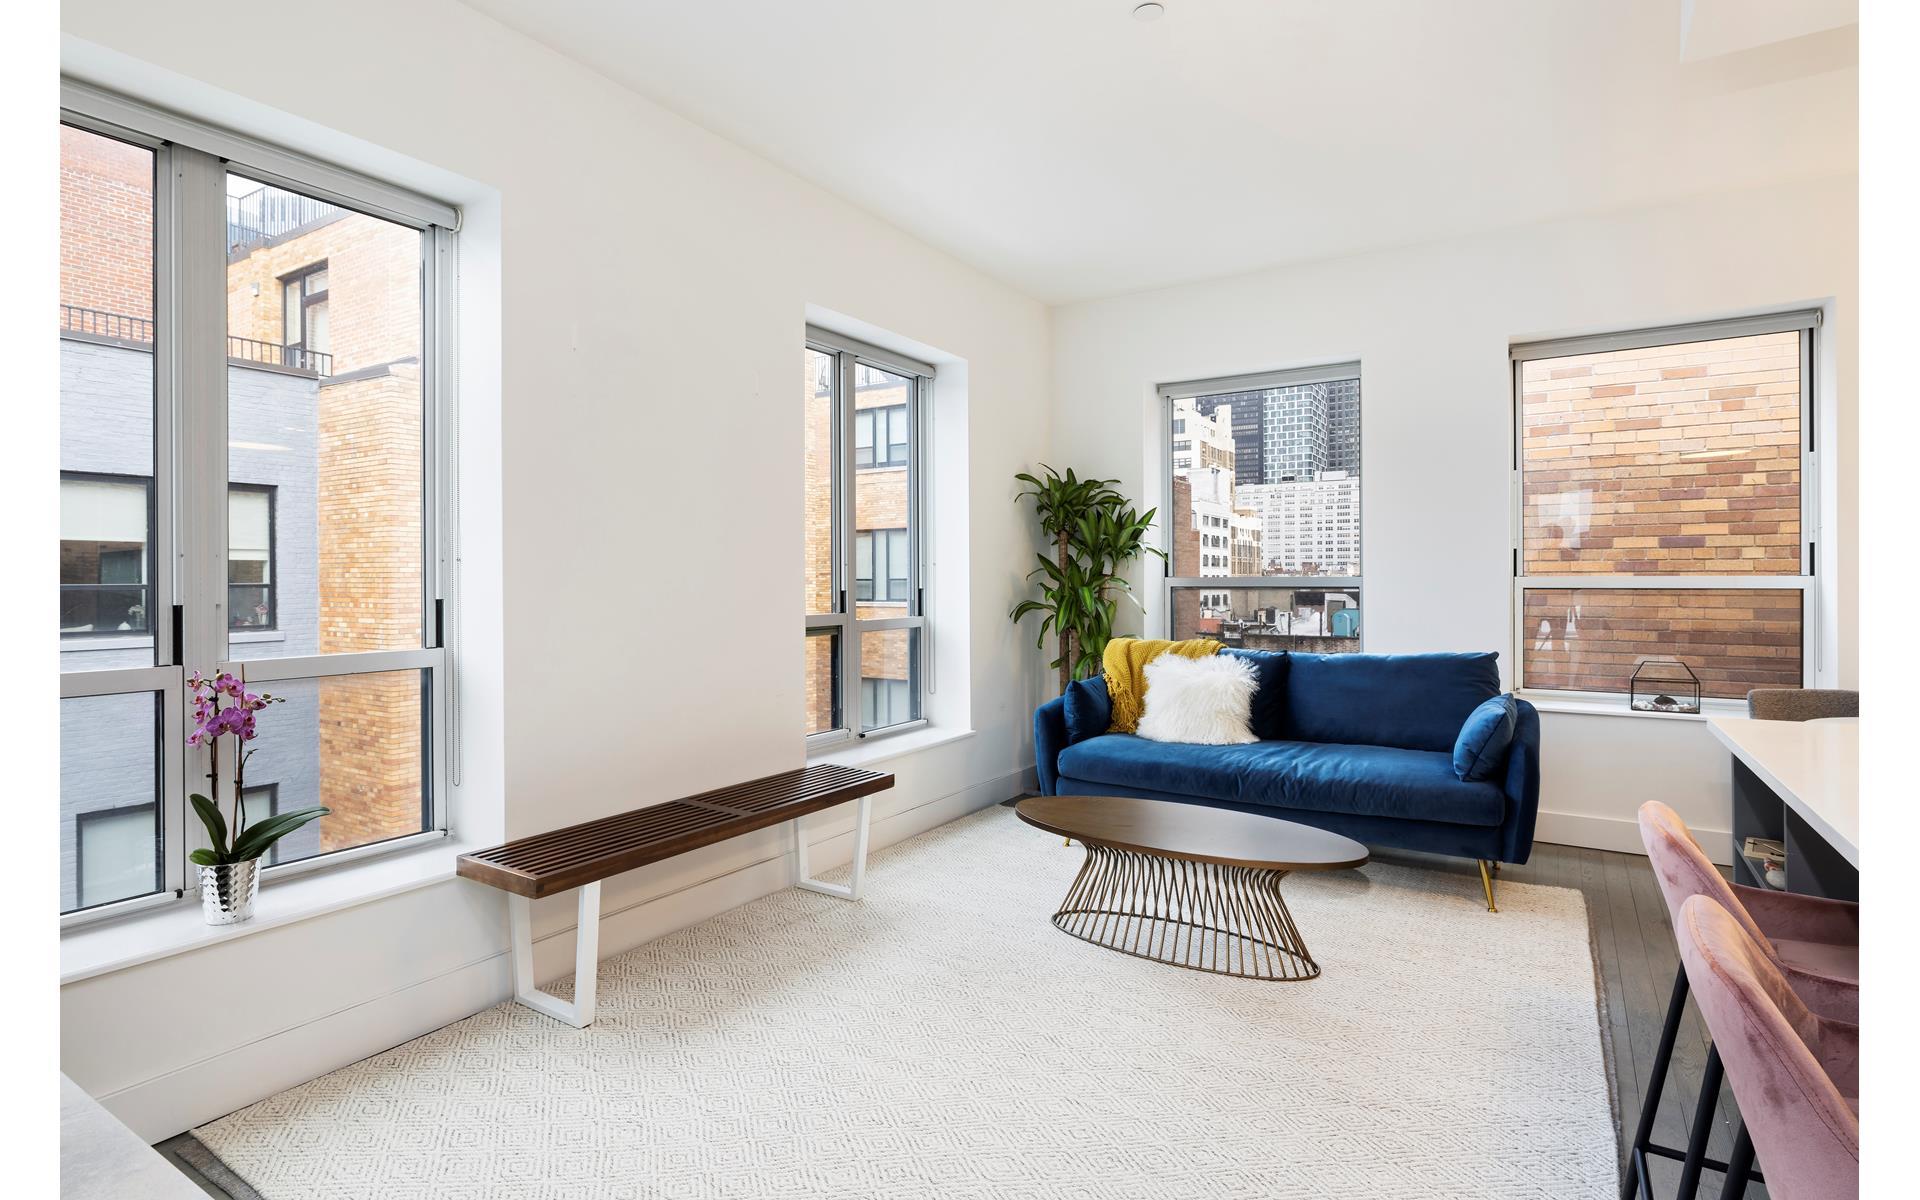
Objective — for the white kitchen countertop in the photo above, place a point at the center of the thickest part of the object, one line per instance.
(1813, 765)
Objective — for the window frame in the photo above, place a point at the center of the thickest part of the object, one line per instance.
(847, 355)
(80, 822)
(189, 483)
(1259, 381)
(1807, 323)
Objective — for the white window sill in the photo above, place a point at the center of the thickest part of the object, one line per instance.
(255, 635)
(177, 928)
(863, 752)
(1616, 706)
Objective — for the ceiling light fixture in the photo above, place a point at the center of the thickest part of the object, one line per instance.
(1149, 12)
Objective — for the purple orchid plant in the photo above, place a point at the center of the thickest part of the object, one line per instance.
(222, 707)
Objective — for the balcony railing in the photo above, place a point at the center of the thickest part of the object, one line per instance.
(267, 213)
(273, 354)
(120, 327)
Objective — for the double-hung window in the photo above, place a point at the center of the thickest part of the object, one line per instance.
(1665, 506)
(1263, 512)
(866, 624)
(245, 486)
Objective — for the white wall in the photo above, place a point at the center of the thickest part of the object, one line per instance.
(1430, 326)
(641, 263)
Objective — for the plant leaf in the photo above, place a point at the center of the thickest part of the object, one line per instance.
(256, 840)
(211, 818)
(204, 857)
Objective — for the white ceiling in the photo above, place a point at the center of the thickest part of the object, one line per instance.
(1074, 152)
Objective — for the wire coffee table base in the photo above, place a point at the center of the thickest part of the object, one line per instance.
(1201, 916)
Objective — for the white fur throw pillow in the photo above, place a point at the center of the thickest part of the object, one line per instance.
(1206, 701)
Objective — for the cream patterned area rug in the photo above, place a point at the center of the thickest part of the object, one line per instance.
(942, 1039)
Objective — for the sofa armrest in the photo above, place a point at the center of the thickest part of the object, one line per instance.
(1522, 786)
(1049, 739)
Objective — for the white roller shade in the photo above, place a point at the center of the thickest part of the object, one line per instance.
(249, 526)
(96, 510)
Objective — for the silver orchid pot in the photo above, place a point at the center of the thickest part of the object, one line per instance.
(227, 891)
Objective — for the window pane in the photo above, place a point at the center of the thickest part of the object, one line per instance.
(1267, 482)
(823, 681)
(889, 674)
(1678, 460)
(334, 428)
(881, 497)
(106, 403)
(1590, 639)
(110, 796)
(817, 385)
(355, 743)
(1319, 620)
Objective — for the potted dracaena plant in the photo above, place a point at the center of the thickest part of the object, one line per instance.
(230, 866)
(1095, 533)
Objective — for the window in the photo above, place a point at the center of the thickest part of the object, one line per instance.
(105, 557)
(305, 340)
(865, 622)
(1263, 522)
(885, 702)
(249, 557)
(880, 565)
(880, 433)
(325, 492)
(1663, 511)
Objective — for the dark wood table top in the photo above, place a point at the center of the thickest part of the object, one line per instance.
(1192, 832)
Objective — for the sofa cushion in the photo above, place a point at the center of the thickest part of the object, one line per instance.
(1088, 711)
(1380, 781)
(1414, 701)
(1481, 748)
(1270, 694)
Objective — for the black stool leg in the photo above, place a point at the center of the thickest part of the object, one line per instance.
(1739, 1166)
(1703, 1112)
(1630, 1183)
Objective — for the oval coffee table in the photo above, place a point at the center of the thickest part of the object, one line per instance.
(1189, 885)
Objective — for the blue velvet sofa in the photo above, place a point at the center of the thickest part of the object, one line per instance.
(1360, 744)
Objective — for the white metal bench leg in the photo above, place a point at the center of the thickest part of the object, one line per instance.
(802, 878)
(586, 959)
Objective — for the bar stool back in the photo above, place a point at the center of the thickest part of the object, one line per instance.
(1794, 1072)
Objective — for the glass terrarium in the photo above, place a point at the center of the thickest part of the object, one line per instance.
(1664, 685)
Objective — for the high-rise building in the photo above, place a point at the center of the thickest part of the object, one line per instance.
(1202, 439)
(1309, 526)
(1308, 429)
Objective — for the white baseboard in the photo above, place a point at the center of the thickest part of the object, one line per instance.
(1619, 833)
(178, 1100)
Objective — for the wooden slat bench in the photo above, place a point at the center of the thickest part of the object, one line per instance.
(580, 856)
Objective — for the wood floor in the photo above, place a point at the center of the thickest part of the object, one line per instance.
(1634, 949)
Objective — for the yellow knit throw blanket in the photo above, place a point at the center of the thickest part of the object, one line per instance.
(1125, 666)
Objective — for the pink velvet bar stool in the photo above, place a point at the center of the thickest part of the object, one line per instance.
(1811, 941)
(1795, 1073)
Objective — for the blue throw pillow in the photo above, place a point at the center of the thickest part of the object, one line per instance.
(1484, 738)
(1089, 710)
(1269, 716)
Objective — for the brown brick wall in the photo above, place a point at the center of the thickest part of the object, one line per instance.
(1686, 458)
(106, 224)
(1733, 638)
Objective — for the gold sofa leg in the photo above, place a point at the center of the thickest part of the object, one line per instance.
(1486, 881)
